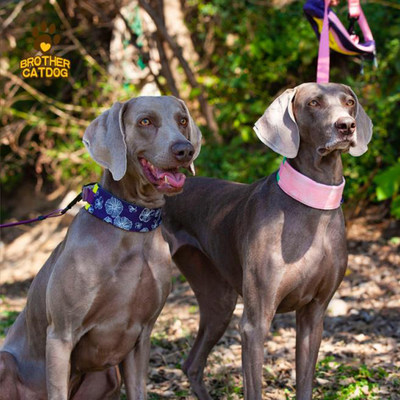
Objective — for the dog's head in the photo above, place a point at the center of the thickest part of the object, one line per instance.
(152, 136)
(326, 116)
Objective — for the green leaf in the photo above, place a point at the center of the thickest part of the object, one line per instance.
(388, 182)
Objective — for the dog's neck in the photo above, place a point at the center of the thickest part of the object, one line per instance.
(327, 169)
(133, 189)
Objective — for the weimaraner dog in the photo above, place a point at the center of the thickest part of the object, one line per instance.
(92, 306)
(279, 254)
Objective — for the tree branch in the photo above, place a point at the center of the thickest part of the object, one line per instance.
(177, 50)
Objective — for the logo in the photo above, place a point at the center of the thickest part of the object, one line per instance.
(45, 65)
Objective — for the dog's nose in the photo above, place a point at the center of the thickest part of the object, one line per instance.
(182, 151)
(346, 125)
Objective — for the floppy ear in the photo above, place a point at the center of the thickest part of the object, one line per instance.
(277, 127)
(194, 136)
(363, 129)
(104, 138)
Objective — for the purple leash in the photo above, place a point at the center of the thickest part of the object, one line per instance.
(56, 213)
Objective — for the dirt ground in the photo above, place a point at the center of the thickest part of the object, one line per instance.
(359, 356)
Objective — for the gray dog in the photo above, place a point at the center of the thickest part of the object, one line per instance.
(268, 246)
(93, 304)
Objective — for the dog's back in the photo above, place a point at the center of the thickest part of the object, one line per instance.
(280, 242)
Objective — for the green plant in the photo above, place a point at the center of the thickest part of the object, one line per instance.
(7, 318)
(248, 53)
(259, 51)
(388, 187)
(348, 381)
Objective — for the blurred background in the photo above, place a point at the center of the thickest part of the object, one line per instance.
(228, 59)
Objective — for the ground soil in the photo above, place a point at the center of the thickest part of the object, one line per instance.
(362, 327)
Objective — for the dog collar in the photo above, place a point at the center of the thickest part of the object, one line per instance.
(307, 191)
(120, 213)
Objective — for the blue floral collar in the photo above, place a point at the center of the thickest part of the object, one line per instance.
(119, 213)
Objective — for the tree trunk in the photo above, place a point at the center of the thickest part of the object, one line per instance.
(154, 12)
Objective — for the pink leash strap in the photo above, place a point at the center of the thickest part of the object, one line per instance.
(323, 52)
(354, 8)
(355, 11)
(366, 31)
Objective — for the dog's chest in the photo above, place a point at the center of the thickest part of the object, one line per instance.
(313, 264)
(131, 297)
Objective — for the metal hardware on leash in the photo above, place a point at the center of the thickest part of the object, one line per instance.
(72, 203)
(352, 21)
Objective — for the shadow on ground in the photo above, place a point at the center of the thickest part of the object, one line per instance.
(359, 356)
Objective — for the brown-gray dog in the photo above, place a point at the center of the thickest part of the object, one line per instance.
(232, 239)
(93, 304)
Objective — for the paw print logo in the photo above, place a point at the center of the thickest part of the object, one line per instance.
(44, 37)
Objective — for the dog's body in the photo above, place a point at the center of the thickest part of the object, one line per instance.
(112, 311)
(93, 304)
(257, 242)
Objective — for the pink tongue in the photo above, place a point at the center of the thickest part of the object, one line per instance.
(176, 179)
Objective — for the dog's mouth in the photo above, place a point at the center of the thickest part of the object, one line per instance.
(342, 145)
(165, 180)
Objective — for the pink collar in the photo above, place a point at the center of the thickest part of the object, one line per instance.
(307, 191)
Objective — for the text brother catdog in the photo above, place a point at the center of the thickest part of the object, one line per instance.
(45, 67)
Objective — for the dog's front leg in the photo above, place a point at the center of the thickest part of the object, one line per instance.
(309, 328)
(258, 299)
(253, 334)
(58, 364)
(134, 368)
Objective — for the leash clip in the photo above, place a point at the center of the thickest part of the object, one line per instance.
(73, 202)
(352, 22)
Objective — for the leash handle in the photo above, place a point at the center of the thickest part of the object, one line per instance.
(323, 51)
(365, 29)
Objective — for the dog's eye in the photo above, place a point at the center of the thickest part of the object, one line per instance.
(313, 103)
(183, 121)
(145, 122)
(350, 102)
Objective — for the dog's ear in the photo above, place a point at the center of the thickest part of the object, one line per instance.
(104, 138)
(277, 127)
(195, 139)
(194, 136)
(363, 129)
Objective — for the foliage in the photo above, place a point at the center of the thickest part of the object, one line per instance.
(347, 381)
(388, 187)
(338, 381)
(7, 318)
(43, 121)
(260, 51)
(248, 51)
